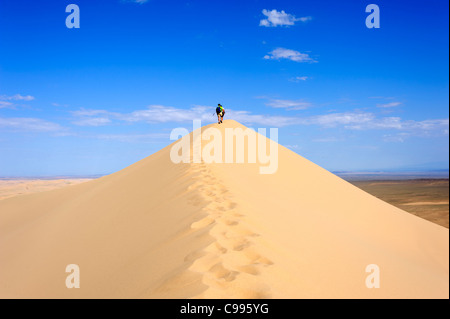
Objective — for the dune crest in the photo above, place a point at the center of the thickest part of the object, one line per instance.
(195, 230)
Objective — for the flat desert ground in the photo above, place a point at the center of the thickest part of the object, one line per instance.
(426, 198)
(10, 187)
(160, 229)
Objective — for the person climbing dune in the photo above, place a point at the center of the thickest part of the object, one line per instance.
(220, 111)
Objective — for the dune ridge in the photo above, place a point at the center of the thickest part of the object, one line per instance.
(194, 230)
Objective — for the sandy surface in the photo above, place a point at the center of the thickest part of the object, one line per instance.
(162, 230)
(14, 187)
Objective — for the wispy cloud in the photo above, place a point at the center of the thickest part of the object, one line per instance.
(282, 53)
(30, 125)
(60, 105)
(89, 112)
(357, 120)
(163, 114)
(166, 114)
(346, 119)
(331, 139)
(96, 121)
(4, 104)
(382, 97)
(86, 117)
(136, 1)
(248, 118)
(153, 114)
(388, 105)
(280, 18)
(17, 97)
(299, 78)
(399, 137)
(429, 125)
(368, 121)
(9, 101)
(134, 138)
(289, 104)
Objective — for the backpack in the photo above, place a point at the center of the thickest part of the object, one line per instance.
(218, 110)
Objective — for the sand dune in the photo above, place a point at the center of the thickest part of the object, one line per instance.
(162, 230)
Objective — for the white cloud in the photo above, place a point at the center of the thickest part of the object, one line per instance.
(153, 114)
(282, 53)
(326, 139)
(305, 19)
(4, 104)
(163, 114)
(429, 125)
(368, 121)
(347, 120)
(134, 138)
(136, 1)
(280, 18)
(247, 118)
(391, 104)
(60, 105)
(30, 124)
(299, 78)
(88, 112)
(289, 104)
(95, 121)
(382, 97)
(17, 97)
(388, 123)
(400, 137)
(425, 127)
(93, 117)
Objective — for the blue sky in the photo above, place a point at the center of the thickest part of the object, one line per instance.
(96, 99)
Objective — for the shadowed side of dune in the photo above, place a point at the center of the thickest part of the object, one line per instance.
(129, 232)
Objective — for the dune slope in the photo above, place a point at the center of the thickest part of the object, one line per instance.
(195, 230)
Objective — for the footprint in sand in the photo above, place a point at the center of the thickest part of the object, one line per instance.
(220, 272)
(230, 222)
(241, 246)
(219, 248)
(203, 222)
(195, 200)
(229, 265)
(257, 259)
(249, 269)
(194, 256)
